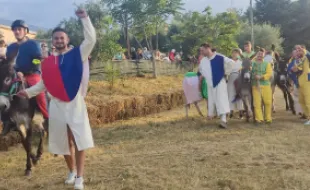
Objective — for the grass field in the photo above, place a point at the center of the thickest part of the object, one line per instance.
(166, 151)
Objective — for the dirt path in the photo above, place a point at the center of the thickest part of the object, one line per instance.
(166, 151)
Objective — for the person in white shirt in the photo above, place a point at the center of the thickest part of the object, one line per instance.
(213, 68)
(236, 67)
(62, 77)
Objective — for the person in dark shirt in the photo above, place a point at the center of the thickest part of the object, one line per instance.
(28, 56)
(133, 53)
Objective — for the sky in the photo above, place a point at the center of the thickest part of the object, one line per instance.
(48, 13)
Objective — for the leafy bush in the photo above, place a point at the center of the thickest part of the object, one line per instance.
(112, 74)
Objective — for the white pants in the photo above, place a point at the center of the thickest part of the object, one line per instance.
(218, 102)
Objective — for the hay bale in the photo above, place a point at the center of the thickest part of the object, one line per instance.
(134, 106)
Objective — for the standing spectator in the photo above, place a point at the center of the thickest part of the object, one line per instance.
(53, 50)
(139, 54)
(133, 53)
(45, 52)
(171, 55)
(178, 60)
(146, 54)
(158, 55)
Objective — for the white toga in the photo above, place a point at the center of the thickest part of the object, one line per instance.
(218, 103)
(74, 113)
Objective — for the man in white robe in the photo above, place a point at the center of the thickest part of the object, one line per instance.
(213, 68)
(69, 126)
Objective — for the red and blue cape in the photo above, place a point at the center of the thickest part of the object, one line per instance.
(62, 75)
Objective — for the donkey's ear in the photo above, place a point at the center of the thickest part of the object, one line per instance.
(11, 56)
(3, 60)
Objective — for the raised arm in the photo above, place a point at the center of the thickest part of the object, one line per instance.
(89, 35)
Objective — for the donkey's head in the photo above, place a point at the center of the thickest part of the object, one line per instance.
(8, 80)
(246, 70)
(282, 71)
(7, 77)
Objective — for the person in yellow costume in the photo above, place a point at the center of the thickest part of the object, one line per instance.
(261, 88)
(302, 70)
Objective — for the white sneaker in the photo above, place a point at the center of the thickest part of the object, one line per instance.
(307, 123)
(78, 185)
(71, 178)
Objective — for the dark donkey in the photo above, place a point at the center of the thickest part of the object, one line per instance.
(17, 113)
(281, 80)
(243, 87)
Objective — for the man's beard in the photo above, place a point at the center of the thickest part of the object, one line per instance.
(60, 47)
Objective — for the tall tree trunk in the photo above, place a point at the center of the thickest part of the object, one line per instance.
(151, 43)
(146, 39)
(157, 36)
(252, 23)
(154, 55)
(127, 37)
(154, 63)
(150, 46)
(138, 42)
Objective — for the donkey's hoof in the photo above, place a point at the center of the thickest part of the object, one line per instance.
(35, 161)
(28, 173)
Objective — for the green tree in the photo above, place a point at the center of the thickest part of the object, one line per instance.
(44, 35)
(108, 36)
(196, 28)
(297, 29)
(271, 11)
(156, 12)
(265, 36)
(73, 25)
(290, 16)
(124, 11)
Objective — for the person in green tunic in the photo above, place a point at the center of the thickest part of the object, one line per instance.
(248, 53)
